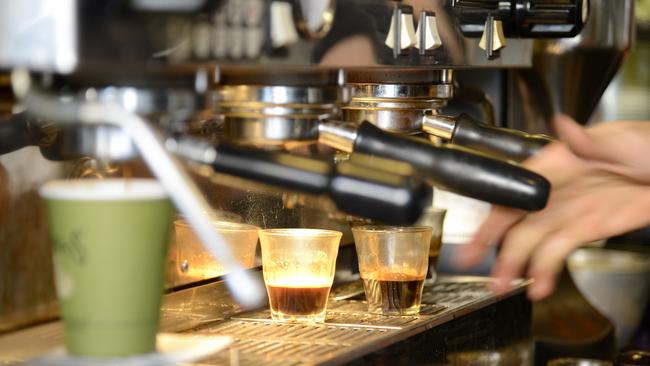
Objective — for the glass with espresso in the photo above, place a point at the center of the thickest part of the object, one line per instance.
(298, 267)
(393, 264)
(433, 217)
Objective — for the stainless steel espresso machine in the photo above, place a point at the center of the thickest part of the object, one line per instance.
(290, 113)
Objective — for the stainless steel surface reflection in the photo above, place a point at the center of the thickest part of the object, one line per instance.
(615, 282)
(570, 75)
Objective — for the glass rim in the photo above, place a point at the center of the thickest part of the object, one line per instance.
(222, 225)
(392, 229)
(303, 232)
(434, 209)
(578, 361)
(109, 189)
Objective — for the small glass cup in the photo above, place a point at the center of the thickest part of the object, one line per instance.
(393, 264)
(435, 218)
(241, 239)
(298, 267)
(570, 361)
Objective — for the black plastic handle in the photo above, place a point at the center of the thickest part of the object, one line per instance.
(458, 170)
(355, 189)
(15, 133)
(379, 195)
(524, 18)
(498, 142)
(274, 168)
(21, 130)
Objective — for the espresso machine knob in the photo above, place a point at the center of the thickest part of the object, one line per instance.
(493, 39)
(315, 17)
(427, 34)
(401, 33)
(523, 18)
(283, 27)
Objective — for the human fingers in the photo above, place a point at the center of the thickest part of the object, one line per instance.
(620, 147)
(548, 260)
(519, 244)
(608, 210)
(568, 204)
(499, 220)
(575, 137)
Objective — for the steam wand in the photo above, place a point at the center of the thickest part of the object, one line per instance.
(184, 193)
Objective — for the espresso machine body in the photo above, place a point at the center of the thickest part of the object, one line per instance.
(307, 79)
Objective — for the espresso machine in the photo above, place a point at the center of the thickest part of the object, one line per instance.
(290, 113)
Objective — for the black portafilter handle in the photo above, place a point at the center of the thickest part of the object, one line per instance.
(355, 189)
(15, 133)
(459, 170)
(499, 142)
(21, 130)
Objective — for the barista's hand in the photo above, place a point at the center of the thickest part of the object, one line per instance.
(599, 180)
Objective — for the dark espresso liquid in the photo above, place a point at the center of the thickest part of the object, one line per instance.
(434, 248)
(298, 301)
(394, 294)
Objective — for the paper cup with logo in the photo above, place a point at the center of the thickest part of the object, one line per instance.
(109, 247)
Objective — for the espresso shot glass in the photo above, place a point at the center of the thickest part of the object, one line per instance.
(298, 267)
(393, 264)
(433, 217)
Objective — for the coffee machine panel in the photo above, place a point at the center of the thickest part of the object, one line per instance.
(278, 113)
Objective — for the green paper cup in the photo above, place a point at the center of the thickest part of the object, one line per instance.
(109, 242)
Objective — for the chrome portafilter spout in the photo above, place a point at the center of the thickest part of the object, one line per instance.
(183, 192)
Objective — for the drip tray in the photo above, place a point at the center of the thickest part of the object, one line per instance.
(349, 332)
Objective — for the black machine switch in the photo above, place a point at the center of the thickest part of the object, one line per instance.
(523, 18)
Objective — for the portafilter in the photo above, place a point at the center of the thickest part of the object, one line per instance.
(281, 116)
(409, 102)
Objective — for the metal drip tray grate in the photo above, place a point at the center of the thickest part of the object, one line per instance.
(455, 294)
(349, 331)
(259, 342)
(354, 313)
